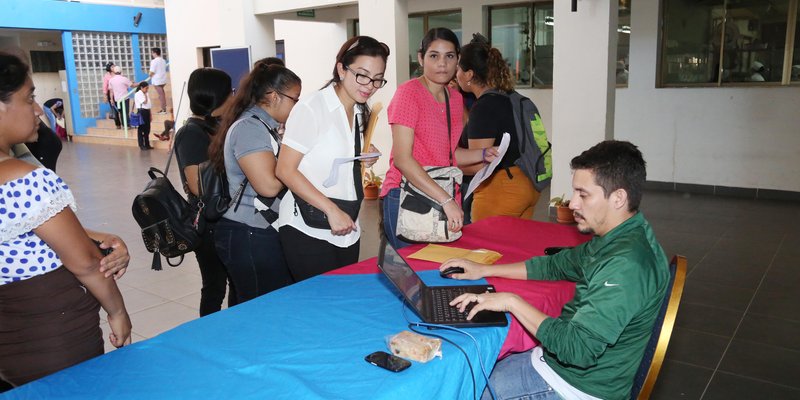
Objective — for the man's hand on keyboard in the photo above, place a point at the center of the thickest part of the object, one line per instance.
(502, 302)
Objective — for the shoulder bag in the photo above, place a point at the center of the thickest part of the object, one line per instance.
(422, 219)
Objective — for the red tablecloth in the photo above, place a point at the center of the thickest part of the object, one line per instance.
(517, 240)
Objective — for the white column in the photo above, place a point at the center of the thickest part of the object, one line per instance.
(584, 82)
(386, 21)
(239, 26)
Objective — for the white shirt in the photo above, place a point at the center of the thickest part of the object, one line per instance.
(159, 69)
(317, 127)
(141, 100)
(555, 381)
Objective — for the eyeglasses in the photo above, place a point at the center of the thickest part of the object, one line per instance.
(362, 79)
(295, 99)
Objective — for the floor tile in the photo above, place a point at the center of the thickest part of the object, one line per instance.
(176, 287)
(155, 320)
(726, 386)
(715, 295)
(772, 301)
(776, 365)
(678, 380)
(701, 318)
(771, 331)
(696, 348)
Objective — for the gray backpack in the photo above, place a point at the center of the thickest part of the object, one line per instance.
(534, 149)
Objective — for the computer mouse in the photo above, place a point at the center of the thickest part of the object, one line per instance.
(451, 270)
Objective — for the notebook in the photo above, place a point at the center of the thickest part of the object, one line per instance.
(431, 303)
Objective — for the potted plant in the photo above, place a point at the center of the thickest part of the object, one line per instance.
(563, 213)
(372, 184)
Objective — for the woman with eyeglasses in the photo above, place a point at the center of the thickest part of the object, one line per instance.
(246, 148)
(318, 220)
(422, 135)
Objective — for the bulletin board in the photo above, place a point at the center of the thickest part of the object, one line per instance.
(235, 61)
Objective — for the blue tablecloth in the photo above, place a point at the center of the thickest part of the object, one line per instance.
(306, 341)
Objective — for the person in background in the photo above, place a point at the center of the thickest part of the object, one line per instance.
(594, 348)
(246, 148)
(482, 71)
(327, 125)
(51, 278)
(420, 135)
(46, 147)
(208, 90)
(158, 76)
(141, 102)
(54, 110)
(108, 95)
(120, 85)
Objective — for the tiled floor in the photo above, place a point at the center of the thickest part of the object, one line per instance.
(737, 331)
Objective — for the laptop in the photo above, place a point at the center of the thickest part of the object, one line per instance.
(431, 303)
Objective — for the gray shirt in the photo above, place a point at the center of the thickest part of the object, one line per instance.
(246, 136)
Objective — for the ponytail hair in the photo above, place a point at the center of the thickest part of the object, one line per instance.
(208, 90)
(252, 90)
(353, 48)
(487, 64)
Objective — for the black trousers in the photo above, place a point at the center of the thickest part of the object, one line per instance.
(308, 257)
(214, 276)
(143, 132)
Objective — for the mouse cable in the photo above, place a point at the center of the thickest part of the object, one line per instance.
(450, 328)
(413, 327)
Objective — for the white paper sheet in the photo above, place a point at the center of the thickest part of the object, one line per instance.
(487, 171)
(334, 176)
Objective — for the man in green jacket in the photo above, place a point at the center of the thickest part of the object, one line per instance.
(593, 349)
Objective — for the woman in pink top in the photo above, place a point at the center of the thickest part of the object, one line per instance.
(420, 137)
(107, 93)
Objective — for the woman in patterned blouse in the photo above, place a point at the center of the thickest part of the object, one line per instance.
(49, 314)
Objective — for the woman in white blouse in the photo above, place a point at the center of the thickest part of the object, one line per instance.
(321, 128)
(50, 271)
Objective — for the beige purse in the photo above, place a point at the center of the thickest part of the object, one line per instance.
(421, 218)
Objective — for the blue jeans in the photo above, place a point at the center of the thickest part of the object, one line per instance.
(514, 378)
(253, 257)
(391, 207)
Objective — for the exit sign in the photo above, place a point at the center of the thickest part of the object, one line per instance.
(306, 13)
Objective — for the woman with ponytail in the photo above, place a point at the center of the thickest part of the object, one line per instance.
(208, 89)
(327, 125)
(246, 149)
(482, 71)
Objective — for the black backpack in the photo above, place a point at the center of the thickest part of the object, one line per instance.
(169, 225)
(535, 151)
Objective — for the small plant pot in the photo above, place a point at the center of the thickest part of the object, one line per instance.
(564, 215)
(371, 192)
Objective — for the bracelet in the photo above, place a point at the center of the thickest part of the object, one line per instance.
(483, 156)
(446, 201)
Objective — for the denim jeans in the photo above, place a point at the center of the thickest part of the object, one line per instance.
(514, 378)
(253, 257)
(214, 276)
(391, 207)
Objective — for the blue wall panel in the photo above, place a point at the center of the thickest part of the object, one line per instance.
(72, 16)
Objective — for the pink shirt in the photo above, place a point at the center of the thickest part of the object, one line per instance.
(119, 86)
(413, 106)
(107, 77)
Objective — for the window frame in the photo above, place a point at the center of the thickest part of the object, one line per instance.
(788, 54)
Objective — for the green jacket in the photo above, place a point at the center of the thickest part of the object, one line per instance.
(598, 341)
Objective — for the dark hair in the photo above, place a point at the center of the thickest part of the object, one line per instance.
(156, 50)
(251, 91)
(269, 61)
(208, 89)
(616, 165)
(486, 64)
(13, 74)
(108, 66)
(143, 84)
(353, 48)
(438, 34)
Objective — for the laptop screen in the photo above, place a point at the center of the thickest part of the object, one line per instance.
(401, 274)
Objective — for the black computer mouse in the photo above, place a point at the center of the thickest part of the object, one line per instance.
(451, 270)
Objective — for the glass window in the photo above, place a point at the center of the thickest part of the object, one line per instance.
(524, 35)
(718, 42)
(419, 24)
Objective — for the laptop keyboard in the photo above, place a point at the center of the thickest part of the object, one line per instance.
(443, 312)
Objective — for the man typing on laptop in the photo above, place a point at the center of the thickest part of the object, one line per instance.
(593, 349)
